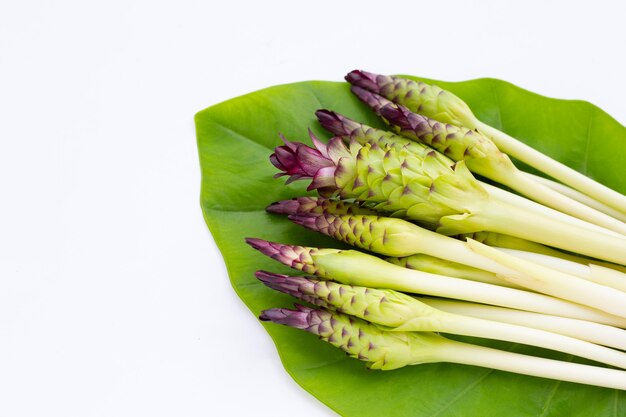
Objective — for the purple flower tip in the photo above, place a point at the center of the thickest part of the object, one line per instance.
(308, 221)
(297, 257)
(364, 79)
(258, 244)
(276, 315)
(283, 207)
(299, 318)
(298, 160)
(331, 122)
(396, 115)
(268, 277)
(270, 249)
(336, 123)
(361, 93)
(285, 283)
(375, 101)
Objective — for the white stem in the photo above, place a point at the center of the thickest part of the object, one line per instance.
(579, 329)
(595, 273)
(398, 278)
(440, 266)
(510, 242)
(578, 196)
(444, 247)
(467, 354)
(544, 195)
(526, 204)
(553, 168)
(506, 218)
(562, 265)
(470, 326)
(608, 276)
(558, 284)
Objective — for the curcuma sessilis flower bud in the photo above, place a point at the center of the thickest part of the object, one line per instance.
(359, 339)
(397, 181)
(417, 96)
(315, 205)
(458, 143)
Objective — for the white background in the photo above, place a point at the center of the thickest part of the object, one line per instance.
(114, 300)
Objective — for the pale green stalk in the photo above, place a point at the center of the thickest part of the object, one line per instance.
(529, 365)
(611, 277)
(395, 238)
(507, 219)
(579, 329)
(554, 168)
(595, 273)
(511, 242)
(533, 207)
(357, 268)
(403, 313)
(580, 197)
(555, 283)
(386, 350)
(427, 263)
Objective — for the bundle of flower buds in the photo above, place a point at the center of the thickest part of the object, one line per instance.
(544, 267)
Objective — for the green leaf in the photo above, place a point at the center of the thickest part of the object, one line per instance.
(235, 139)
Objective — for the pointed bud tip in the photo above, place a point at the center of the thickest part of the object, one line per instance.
(374, 100)
(363, 79)
(264, 246)
(267, 277)
(273, 314)
(337, 123)
(256, 243)
(360, 92)
(273, 207)
(324, 113)
(396, 115)
(283, 207)
(294, 318)
(306, 220)
(354, 76)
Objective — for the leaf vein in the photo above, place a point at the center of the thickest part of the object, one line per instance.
(240, 135)
(467, 389)
(459, 395)
(315, 96)
(587, 142)
(497, 100)
(548, 401)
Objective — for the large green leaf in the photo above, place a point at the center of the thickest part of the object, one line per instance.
(235, 139)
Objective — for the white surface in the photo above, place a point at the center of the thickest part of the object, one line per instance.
(113, 298)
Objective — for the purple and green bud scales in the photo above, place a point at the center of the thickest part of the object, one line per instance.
(382, 235)
(384, 307)
(315, 205)
(397, 181)
(458, 143)
(419, 97)
(360, 339)
(386, 350)
(349, 129)
(296, 257)
(345, 266)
